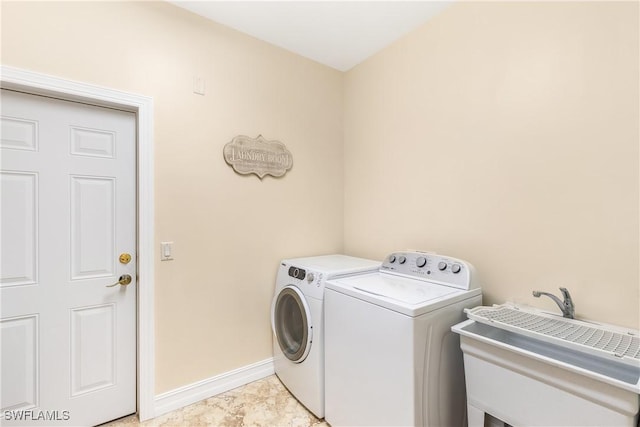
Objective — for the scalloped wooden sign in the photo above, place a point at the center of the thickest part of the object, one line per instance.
(257, 155)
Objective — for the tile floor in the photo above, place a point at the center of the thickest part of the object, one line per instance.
(263, 403)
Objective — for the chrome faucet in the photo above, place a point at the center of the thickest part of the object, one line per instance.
(567, 307)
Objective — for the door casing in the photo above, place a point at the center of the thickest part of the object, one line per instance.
(42, 84)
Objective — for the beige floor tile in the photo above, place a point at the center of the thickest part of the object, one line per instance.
(263, 403)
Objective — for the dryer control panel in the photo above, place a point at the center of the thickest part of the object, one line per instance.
(297, 273)
(309, 274)
(308, 281)
(429, 266)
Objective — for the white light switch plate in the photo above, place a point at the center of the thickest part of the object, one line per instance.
(198, 85)
(166, 251)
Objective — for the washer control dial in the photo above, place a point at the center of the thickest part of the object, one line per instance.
(425, 266)
(310, 277)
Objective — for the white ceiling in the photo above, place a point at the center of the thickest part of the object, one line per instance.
(340, 34)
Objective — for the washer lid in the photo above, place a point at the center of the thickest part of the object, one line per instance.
(400, 289)
(401, 294)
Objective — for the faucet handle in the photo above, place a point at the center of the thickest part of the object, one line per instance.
(565, 293)
(568, 301)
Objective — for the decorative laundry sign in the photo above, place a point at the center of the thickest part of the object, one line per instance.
(257, 155)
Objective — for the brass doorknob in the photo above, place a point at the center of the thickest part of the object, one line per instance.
(124, 280)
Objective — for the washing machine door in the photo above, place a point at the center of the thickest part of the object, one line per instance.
(291, 323)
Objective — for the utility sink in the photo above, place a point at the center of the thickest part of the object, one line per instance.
(531, 368)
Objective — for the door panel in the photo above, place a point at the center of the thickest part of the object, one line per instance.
(19, 134)
(19, 229)
(93, 143)
(92, 227)
(92, 348)
(68, 211)
(20, 362)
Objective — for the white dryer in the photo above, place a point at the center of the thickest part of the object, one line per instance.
(390, 356)
(297, 322)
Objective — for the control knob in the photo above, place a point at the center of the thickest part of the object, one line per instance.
(402, 259)
(392, 259)
(442, 266)
(456, 268)
(310, 277)
(421, 262)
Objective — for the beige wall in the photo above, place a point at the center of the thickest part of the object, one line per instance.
(230, 231)
(505, 134)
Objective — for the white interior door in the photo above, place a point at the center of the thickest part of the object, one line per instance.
(68, 208)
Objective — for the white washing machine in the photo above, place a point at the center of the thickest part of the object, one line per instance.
(297, 322)
(390, 356)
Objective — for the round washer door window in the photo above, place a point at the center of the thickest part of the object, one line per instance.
(292, 324)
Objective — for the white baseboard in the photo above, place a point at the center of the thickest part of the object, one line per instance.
(192, 393)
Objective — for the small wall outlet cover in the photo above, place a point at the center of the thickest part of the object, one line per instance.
(166, 251)
(198, 85)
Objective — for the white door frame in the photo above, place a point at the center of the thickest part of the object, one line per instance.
(42, 84)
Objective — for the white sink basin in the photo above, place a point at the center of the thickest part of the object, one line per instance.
(526, 373)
